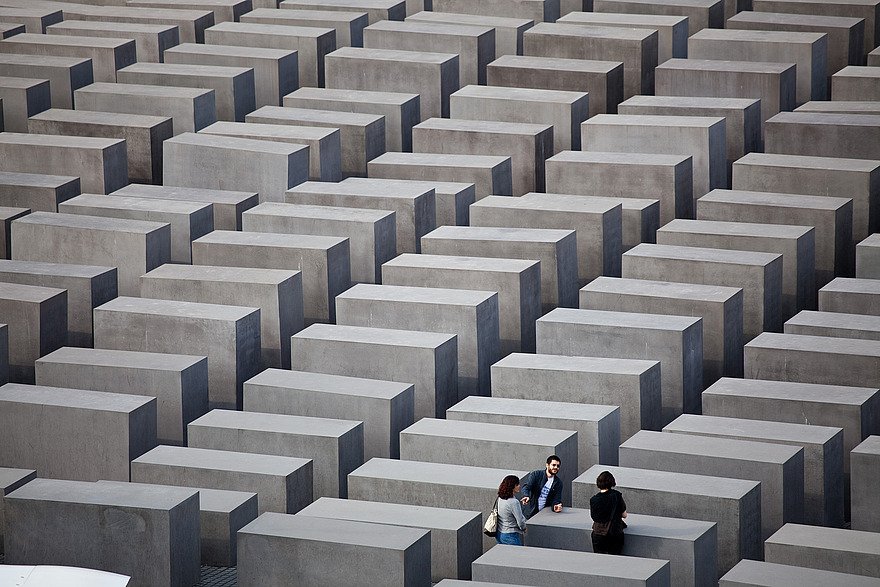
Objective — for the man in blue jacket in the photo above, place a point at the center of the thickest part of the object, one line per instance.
(542, 488)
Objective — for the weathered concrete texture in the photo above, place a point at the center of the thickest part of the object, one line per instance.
(823, 456)
(749, 573)
(371, 233)
(65, 74)
(132, 246)
(852, 296)
(672, 31)
(101, 164)
(734, 504)
(719, 307)
(401, 110)
(536, 10)
(349, 26)
(828, 549)
(306, 547)
(47, 519)
(700, 13)
(35, 20)
(282, 484)
(868, 258)
(376, 9)
(209, 161)
(36, 192)
(690, 546)
(874, 57)
(864, 470)
(275, 70)
(428, 361)
(508, 30)
(455, 534)
(228, 335)
(223, 10)
(324, 261)
(11, 29)
(848, 107)
(9, 215)
(10, 480)
(74, 434)
(675, 341)
(517, 282)
(337, 444)
(490, 174)
(855, 136)
(779, 468)
(4, 353)
(107, 55)
(178, 382)
(385, 407)
(435, 74)
(635, 48)
(555, 249)
(190, 109)
(834, 324)
(21, 98)
(471, 315)
(278, 294)
(151, 40)
(511, 563)
(228, 205)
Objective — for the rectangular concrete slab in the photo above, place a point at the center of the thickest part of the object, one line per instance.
(10, 480)
(508, 30)
(35, 191)
(751, 573)
(864, 467)
(349, 26)
(151, 40)
(829, 549)
(65, 74)
(672, 31)
(834, 324)
(107, 55)
(855, 296)
(490, 174)
(852, 136)
(228, 205)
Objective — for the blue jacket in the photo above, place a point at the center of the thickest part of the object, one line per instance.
(530, 486)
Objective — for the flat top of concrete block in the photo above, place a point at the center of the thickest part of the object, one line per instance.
(790, 390)
(395, 514)
(869, 446)
(104, 494)
(478, 19)
(872, 240)
(549, 203)
(177, 309)
(439, 187)
(690, 3)
(852, 285)
(519, 94)
(852, 107)
(488, 233)
(101, 118)
(378, 188)
(637, 524)
(823, 538)
(376, 536)
(423, 57)
(727, 448)
(861, 71)
(787, 18)
(143, 90)
(64, 141)
(816, 344)
(623, 18)
(691, 101)
(620, 158)
(271, 239)
(276, 423)
(331, 117)
(379, 336)
(722, 228)
(701, 254)
(488, 432)
(337, 213)
(270, 29)
(122, 359)
(462, 583)
(119, 202)
(574, 363)
(37, 180)
(729, 66)
(825, 118)
(70, 40)
(433, 473)
(431, 28)
(620, 319)
(758, 429)
(653, 120)
(9, 213)
(210, 500)
(100, 401)
(211, 273)
(235, 143)
(556, 64)
(749, 572)
(557, 29)
(573, 562)
(194, 194)
(22, 11)
(752, 36)
(11, 479)
(483, 126)
(21, 83)
(360, 96)
(380, 4)
(440, 160)
(336, 384)
(60, 269)
(28, 293)
(776, 199)
(125, 27)
(830, 320)
(400, 294)
(533, 408)
(43, 60)
(230, 51)
(686, 483)
(481, 264)
(305, 14)
(121, 11)
(807, 162)
(661, 289)
(184, 69)
(221, 460)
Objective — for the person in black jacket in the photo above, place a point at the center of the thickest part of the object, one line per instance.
(542, 488)
(607, 509)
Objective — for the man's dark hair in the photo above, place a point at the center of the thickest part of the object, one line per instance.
(552, 458)
(605, 480)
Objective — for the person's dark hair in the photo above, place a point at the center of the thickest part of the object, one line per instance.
(605, 480)
(505, 490)
(553, 458)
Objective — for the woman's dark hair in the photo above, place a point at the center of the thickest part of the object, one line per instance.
(505, 490)
(605, 480)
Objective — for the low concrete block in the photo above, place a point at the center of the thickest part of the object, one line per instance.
(35, 20)
(22, 98)
(828, 549)
(151, 40)
(508, 30)
(855, 82)
(65, 74)
(12, 479)
(852, 136)
(349, 26)
(672, 31)
(36, 192)
(834, 324)
(376, 10)
(107, 55)
(223, 10)
(537, 10)
(228, 205)
(868, 258)
(749, 572)
(700, 14)
(864, 468)
(36, 319)
(8, 215)
(490, 174)
(853, 296)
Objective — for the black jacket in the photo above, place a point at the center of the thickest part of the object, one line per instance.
(530, 486)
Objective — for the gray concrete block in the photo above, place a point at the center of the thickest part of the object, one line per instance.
(349, 26)
(36, 319)
(733, 504)
(234, 163)
(224, 10)
(298, 545)
(864, 469)
(74, 434)
(151, 40)
(471, 315)
(749, 573)
(12, 479)
(46, 520)
(8, 215)
(834, 324)
(537, 10)
(452, 199)
(11, 29)
(228, 205)
(178, 382)
(22, 98)
(631, 384)
(385, 407)
(517, 283)
(555, 249)
(428, 361)
(874, 57)
(672, 31)
(228, 335)
(702, 14)
(852, 296)
(107, 55)
(376, 9)
(848, 107)
(855, 82)
(853, 136)
(324, 261)
(65, 74)
(508, 30)
(35, 20)
(868, 258)
(36, 192)
(829, 549)
(282, 484)
(490, 174)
